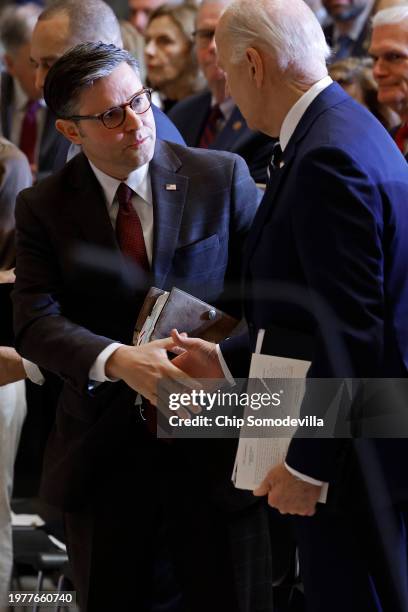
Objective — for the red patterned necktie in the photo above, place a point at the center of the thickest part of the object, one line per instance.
(210, 130)
(28, 137)
(401, 137)
(129, 229)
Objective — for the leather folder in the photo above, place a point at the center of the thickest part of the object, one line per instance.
(186, 313)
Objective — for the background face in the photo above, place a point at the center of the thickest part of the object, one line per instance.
(167, 51)
(119, 151)
(207, 19)
(140, 11)
(389, 48)
(343, 10)
(20, 67)
(51, 38)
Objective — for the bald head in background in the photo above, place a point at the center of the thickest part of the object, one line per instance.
(67, 23)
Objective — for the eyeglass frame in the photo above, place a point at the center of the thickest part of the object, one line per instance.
(199, 32)
(99, 116)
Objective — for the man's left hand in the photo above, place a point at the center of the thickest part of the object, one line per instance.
(287, 493)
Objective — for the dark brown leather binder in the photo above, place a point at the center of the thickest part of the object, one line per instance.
(186, 313)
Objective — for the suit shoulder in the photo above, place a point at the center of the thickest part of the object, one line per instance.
(53, 186)
(188, 104)
(204, 157)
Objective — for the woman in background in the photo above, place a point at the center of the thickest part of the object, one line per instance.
(171, 63)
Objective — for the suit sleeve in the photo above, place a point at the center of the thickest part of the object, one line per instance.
(43, 334)
(15, 175)
(338, 226)
(244, 200)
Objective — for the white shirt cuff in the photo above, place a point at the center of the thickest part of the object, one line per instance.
(225, 369)
(33, 372)
(97, 371)
(304, 477)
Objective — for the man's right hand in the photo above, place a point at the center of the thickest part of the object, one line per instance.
(144, 367)
(11, 366)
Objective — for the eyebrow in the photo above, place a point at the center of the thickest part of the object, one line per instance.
(47, 58)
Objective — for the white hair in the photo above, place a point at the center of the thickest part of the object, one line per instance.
(287, 29)
(391, 16)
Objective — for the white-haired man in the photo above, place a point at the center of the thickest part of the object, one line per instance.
(325, 259)
(389, 48)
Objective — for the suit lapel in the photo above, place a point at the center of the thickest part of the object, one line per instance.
(232, 131)
(201, 110)
(329, 97)
(265, 209)
(88, 205)
(169, 190)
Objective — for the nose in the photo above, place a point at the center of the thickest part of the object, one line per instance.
(211, 45)
(40, 74)
(133, 121)
(380, 69)
(150, 49)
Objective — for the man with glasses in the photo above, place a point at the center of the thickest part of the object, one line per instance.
(389, 50)
(66, 23)
(154, 213)
(218, 123)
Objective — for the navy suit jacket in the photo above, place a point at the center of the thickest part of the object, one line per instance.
(327, 258)
(67, 312)
(51, 139)
(190, 116)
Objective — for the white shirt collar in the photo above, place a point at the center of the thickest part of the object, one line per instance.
(227, 107)
(357, 25)
(138, 181)
(297, 111)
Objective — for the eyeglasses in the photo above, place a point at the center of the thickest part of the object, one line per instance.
(203, 37)
(115, 116)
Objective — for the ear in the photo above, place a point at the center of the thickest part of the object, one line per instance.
(9, 63)
(255, 66)
(70, 130)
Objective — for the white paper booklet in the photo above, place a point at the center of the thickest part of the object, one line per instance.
(256, 456)
(151, 320)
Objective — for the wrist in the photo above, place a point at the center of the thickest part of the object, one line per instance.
(114, 364)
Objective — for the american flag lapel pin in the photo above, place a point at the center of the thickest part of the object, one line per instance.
(171, 187)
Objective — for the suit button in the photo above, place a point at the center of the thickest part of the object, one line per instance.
(212, 314)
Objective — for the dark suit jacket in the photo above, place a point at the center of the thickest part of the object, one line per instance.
(51, 139)
(190, 116)
(67, 313)
(327, 257)
(360, 46)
